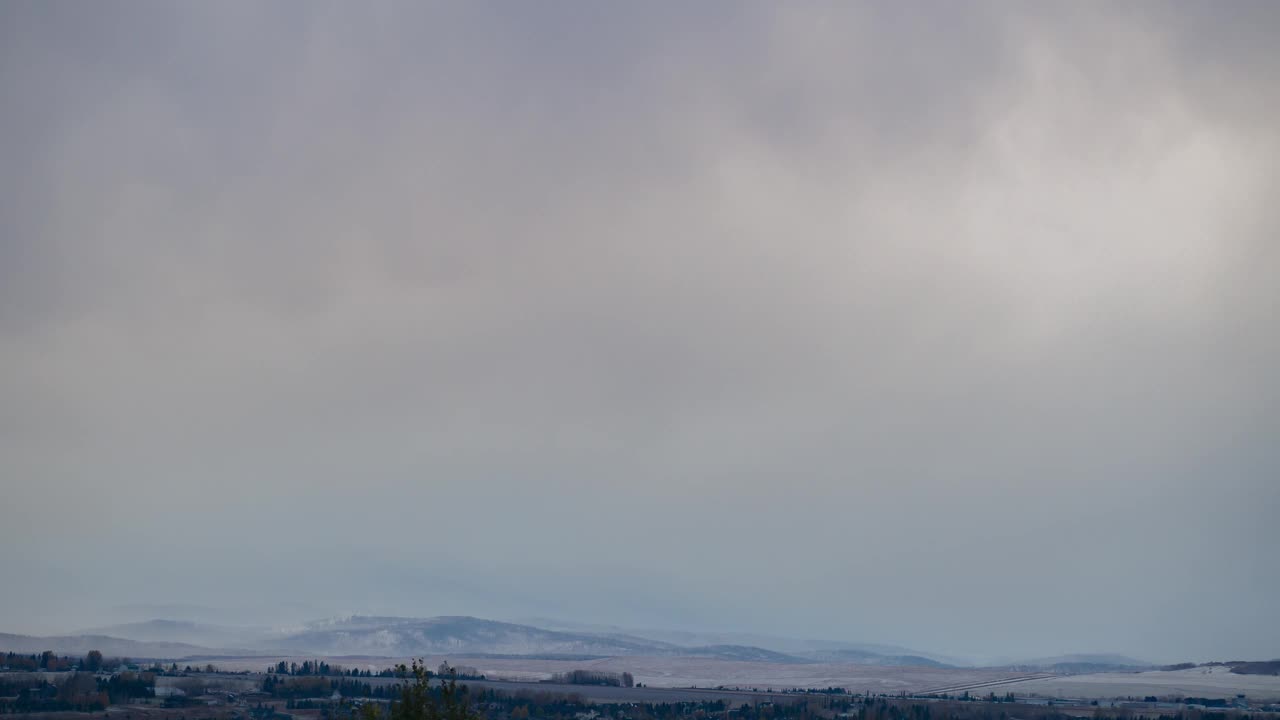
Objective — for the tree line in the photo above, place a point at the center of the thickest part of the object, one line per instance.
(318, 686)
(594, 677)
(48, 661)
(321, 668)
(76, 691)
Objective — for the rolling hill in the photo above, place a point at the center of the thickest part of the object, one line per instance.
(388, 636)
(110, 646)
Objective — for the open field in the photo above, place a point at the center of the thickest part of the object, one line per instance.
(1196, 682)
(684, 672)
(708, 673)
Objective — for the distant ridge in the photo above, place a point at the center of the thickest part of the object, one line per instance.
(110, 646)
(395, 636)
(1083, 663)
(458, 635)
(866, 657)
(188, 633)
(804, 649)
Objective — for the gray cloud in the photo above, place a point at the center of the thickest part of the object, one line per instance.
(950, 327)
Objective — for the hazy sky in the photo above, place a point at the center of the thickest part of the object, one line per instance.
(950, 325)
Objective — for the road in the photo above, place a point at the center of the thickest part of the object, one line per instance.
(951, 689)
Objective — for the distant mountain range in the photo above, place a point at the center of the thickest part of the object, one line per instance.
(107, 645)
(394, 636)
(205, 635)
(461, 635)
(1085, 663)
(796, 648)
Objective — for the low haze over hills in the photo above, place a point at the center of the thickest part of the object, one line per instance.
(460, 635)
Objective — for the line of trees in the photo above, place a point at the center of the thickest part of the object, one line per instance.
(461, 672)
(526, 705)
(322, 668)
(48, 661)
(126, 686)
(76, 691)
(318, 687)
(594, 677)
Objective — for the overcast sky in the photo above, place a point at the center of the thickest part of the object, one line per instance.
(949, 325)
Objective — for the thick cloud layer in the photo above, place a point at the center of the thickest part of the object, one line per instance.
(952, 326)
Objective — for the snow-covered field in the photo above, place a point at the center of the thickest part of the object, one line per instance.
(679, 672)
(690, 671)
(1197, 682)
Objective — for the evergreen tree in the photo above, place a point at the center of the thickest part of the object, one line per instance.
(418, 701)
